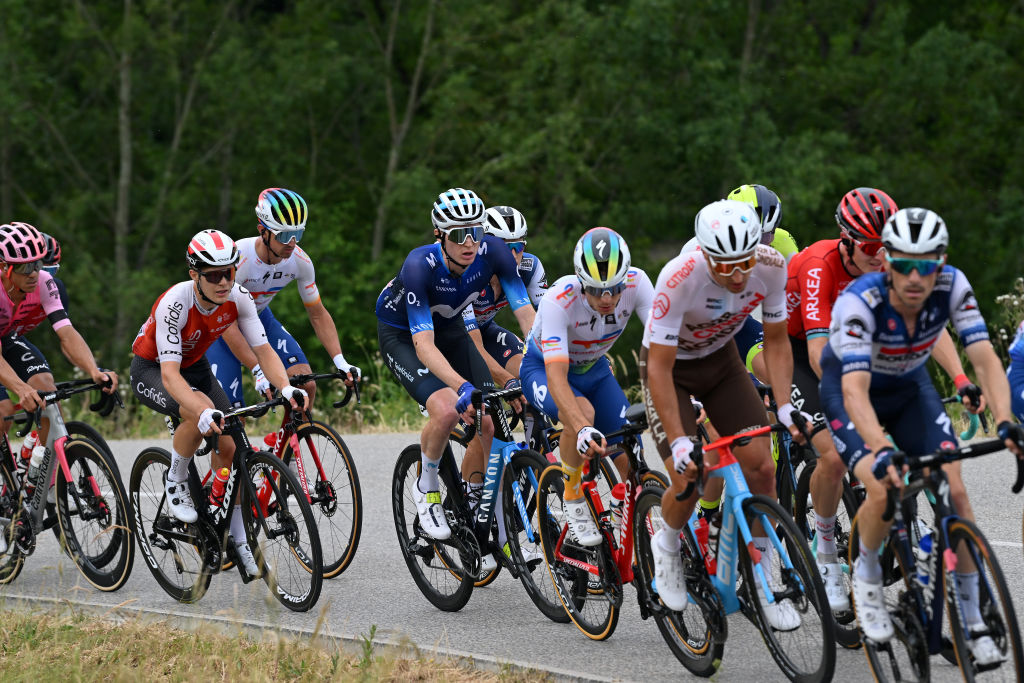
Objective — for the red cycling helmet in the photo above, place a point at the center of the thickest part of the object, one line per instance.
(52, 255)
(862, 213)
(21, 243)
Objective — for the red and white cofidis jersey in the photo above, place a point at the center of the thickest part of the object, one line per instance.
(567, 329)
(699, 316)
(816, 278)
(264, 280)
(43, 302)
(179, 329)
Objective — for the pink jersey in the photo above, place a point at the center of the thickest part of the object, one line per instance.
(44, 302)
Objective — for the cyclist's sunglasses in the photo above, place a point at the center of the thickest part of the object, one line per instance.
(599, 292)
(52, 270)
(285, 236)
(727, 268)
(924, 266)
(869, 248)
(518, 247)
(460, 235)
(27, 268)
(215, 276)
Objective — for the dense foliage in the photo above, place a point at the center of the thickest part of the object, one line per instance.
(126, 127)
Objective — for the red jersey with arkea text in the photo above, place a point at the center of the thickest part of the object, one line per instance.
(816, 277)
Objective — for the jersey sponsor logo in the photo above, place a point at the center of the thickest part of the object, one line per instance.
(661, 306)
(550, 342)
(855, 328)
(891, 324)
(432, 260)
(608, 319)
(607, 339)
(726, 323)
(412, 300)
(681, 274)
(792, 301)
(714, 304)
(526, 264)
(172, 320)
(968, 302)
(422, 372)
(566, 292)
(872, 296)
(770, 257)
(540, 392)
(154, 395)
(813, 287)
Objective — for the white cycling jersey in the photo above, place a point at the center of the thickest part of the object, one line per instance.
(264, 280)
(568, 329)
(699, 316)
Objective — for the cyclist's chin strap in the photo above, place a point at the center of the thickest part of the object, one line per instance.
(444, 239)
(265, 236)
(202, 294)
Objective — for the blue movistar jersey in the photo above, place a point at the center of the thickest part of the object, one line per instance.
(1017, 346)
(484, 308)
(867, 333)
(426, 294)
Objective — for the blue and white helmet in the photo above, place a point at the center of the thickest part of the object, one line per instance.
(457, 207)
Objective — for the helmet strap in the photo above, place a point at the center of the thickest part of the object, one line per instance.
(202, 294)
(265, 236)
(453, 262)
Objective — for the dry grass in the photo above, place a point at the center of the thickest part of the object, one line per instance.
(51, 647)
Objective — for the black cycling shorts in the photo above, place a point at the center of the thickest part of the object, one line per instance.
(24, 358)
(805, 395)
(148, 386)
(501, 344)
(452, 341)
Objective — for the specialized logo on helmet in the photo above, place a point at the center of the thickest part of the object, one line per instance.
(601, 247)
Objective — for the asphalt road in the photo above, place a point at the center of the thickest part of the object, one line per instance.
(500, 623)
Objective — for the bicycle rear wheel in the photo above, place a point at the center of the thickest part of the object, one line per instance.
(697, 635)
(11, 515)
(585, 597)
(176, 553)
(438, 567)
(337, 501)
(995, 609)
(92, 511)
(807, 652)
(905, 657)
(522, 525)
(282, 533)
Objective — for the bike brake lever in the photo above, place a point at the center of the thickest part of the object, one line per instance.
(1019, 484)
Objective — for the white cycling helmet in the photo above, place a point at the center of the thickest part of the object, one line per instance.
(457, 207)
(211, 248)
(915, 231)
(601, 260)
(728, 230)
(505, 223)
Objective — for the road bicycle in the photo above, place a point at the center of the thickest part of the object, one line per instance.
(911, 572)
(279, 524)
(89, 514)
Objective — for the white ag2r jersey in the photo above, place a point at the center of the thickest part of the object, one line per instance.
(699, 316)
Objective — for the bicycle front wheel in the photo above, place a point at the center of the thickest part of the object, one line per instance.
(991, 615)
(282, 533)
(92, 510)
(336, 498)
(11, 515)
(806, 651)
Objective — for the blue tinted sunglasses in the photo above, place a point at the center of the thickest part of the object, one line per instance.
(601, 291)
(285, 236)
(518, 247)
(905, 266)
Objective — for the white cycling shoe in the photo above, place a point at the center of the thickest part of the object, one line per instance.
(669, 580)
(3, 540)
(872, 614)
(581, 522)
(179, 502)
(984, 650)
(431, 514)
(835, 586)
(781, 614)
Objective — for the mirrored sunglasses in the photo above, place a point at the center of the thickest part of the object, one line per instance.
(727, 268)
(27, 268)
(905, 266)
(215, 276)
(600, 292)
(285, 236)
(460, 235)
(518, 247)
(869, 248)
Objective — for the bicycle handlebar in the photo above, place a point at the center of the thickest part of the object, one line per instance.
(64, 391)
(973, 419)
(741, 439)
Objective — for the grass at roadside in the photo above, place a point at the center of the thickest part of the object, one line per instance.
(51, 646)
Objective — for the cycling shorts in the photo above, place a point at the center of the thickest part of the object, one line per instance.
(912, 413)
(717, 380)
(24, 358)
(501, 344)
(396, 346)
(597, 385)
(228, 370)
(804, 394)
(1015, 373)
(148, 385)
(749, 341)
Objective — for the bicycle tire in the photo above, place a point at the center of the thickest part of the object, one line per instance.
(337, 501)
(847, 631)
(790, 649)
(697, 635)
(593, 613)
(100, 541)
(440, 575)
(12, 561)
(521, 483)
(458, 443)
(288, 550)
(1000, 620)
(76, 428)
(176, 553)
(906, 655)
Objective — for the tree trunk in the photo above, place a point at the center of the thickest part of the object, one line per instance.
(124, 179)
(753, 13)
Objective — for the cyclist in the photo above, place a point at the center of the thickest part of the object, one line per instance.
(424, 341)
(1015, 373)
(701, 300)
(566, 374)
(267, 264)
(883, 329)
(170, 374)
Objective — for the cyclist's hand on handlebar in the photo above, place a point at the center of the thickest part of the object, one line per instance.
(209, 421)
(107, 378)
(262, 384)
(682, 450)
(884, 469)
(785, 413)
(464, 403)
(29, 398)
(590, 443)
(351, 371)
(297, 397)
(1013, 436)
(518, 404)
(969, 393)
(698, 410)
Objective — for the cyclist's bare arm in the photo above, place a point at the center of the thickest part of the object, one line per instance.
(271, 365)
(79, 353)
(778, 359)
(435, 361)
(946, 356)
(525, 316)
(324, 327)
(27, 396)
(815, 345)
(660, 360)
(239, 346)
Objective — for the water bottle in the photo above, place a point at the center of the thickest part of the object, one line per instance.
(703, 536)
(220, 479)
(26, 453)
(923, 552)
(617, 498)
(35, 465)
(270, 440)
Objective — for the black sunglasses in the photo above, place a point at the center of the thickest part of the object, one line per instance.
(215, 276)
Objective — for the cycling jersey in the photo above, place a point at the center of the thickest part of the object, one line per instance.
(1015, 373)
(425, 294)
(567, 329)
(1017, 345)
(816, 277)
(179, 329)
(264, 280)
(782, 242)
(699, 316)
(43, 302)
(867, 333)
(487, 305)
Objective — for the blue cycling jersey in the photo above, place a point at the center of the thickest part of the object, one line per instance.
(487, 305)
(1017, 346)
(425, 294)
(867, 333)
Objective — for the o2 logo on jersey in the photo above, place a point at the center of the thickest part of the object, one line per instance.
(411, 299)
(661, 306)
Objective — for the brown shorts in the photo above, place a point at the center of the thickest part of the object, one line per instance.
(719, 381)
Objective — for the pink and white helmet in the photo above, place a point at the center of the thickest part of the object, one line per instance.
(21, 243)
(211, 248)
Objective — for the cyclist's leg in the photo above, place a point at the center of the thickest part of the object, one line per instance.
(228, 371)
(609, 403)
(29, 364)
(503, 346)
(288, 350)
